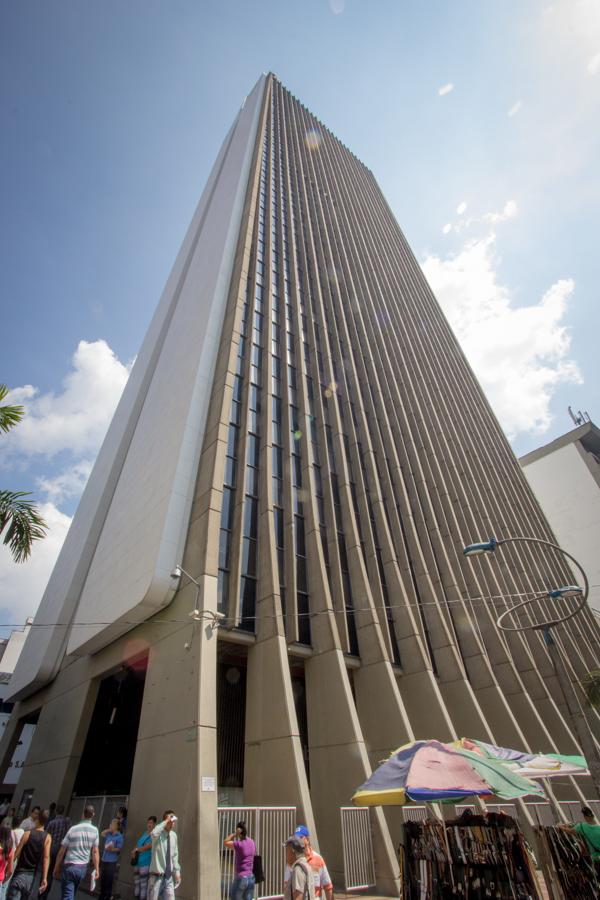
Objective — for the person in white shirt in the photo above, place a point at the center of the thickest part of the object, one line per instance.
(31, 822)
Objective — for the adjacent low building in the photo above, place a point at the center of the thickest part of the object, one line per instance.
(565, 477)
(10, 650)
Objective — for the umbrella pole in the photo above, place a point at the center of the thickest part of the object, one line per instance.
(438, 813)
(554, 804)
(447, 842)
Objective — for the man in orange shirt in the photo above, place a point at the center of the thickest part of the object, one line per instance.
(322, 881)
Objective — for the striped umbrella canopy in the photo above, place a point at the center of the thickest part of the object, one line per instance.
(432, 772)
(529, 765)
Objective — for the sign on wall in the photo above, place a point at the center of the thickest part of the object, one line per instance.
(13, 773)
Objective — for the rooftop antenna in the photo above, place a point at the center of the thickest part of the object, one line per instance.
(577, 419)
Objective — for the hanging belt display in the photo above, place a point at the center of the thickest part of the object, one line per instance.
(487, 858)
(567, 866)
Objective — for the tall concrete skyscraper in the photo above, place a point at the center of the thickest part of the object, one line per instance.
(303, 435)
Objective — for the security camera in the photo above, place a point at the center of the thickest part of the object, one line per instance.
(176, 573)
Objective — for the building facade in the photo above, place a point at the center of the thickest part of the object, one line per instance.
(10, 650)
(565, 477)
(303, 435)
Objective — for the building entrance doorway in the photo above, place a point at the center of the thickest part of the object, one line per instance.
(231, 727)
(107, 761)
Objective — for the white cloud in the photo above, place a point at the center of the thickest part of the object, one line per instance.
(461, 208)
(446, 89)
(593, 65)
(447, 228)
(519, 354)
(515, 108)
(509, 212)
(75, 419)
(67, 484)
(22, 585)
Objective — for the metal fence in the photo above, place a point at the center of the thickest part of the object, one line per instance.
(357, 845)
(269, 826)
(106, 808)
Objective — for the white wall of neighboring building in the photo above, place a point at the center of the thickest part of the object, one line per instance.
(570, 498)
(8, 662)
(13, 649)
(17, 762)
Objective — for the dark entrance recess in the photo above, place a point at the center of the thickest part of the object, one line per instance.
(299, 691)
(107, 760)
(231, 720)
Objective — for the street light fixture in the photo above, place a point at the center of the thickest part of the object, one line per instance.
(481, 548)
(575, 710)
(572, 590)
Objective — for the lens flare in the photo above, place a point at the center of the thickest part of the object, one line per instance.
(313, 139)
(135, 654)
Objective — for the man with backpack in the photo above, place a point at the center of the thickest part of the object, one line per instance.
(300, 884)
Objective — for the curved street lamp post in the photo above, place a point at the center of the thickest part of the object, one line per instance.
(577, 716)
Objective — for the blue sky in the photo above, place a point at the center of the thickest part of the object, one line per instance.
(112, 114)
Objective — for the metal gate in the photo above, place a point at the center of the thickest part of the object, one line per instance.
(357, 845)
(106, 808)
(269, 826)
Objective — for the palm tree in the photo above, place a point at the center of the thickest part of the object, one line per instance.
(19, 518)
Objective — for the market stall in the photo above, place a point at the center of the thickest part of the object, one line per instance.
(470, 857)
(474, 857)
(568, 869)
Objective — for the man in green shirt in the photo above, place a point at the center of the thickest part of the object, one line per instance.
(589, 830)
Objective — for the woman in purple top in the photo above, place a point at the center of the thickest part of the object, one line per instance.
(244, 849)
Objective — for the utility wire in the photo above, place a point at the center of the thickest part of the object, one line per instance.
(212, 616)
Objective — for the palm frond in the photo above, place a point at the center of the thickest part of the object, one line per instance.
(9, 415)
(22, 522)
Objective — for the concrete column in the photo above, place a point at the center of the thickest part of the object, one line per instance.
(339, 764)
(177, 745)
(274, 771)
(57, 745)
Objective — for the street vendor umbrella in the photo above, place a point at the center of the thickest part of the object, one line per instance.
(529, 765)
(431, 772)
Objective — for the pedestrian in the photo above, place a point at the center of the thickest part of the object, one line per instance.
(321, 879)
(56, 828)
(141, 857)
(165, 871)
(110, 857)
(244, 850)
(9, 818)
(30, 822)
(300, 884)
(6, 859)
(79, 846)
(32, 853)
(122, 817)
(52, 811)
(4, 807)
(589, 830)
(15, 836)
